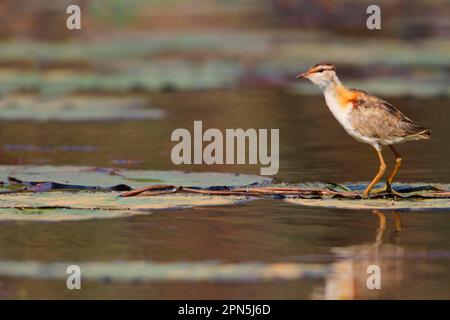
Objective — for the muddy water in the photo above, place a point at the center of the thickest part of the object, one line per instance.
(412, 249)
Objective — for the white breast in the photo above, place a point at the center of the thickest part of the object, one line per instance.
(342, 115)
(340, 112)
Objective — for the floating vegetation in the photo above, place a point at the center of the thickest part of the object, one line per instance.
(303, 268)
(205, 60)
(176, 75)
(48, 193)
(306, 191)
(67, 193)
(62, 206)
(76, 108)
(412, 197)
(414, 204)
(136, 271)
(32, 178)
(62, 214)
(36, 148)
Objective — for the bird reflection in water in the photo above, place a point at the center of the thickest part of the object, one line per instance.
(348, 275)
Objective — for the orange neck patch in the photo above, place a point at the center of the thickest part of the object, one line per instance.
(345, 97)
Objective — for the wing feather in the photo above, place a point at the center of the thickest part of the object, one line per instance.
(376, 118)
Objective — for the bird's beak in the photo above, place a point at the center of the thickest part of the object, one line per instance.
(302, 75)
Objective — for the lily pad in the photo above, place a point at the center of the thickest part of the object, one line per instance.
(76, 108)
(414, 197)
(107, 177)
(85, 192)
(379, 204)
(146, 75)
(216, 59)
(62, 206)
(59, 214)
(126, 271)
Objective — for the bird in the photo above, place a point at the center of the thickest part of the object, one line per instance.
(366, 118)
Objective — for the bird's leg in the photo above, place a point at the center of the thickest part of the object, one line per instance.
(398, 163)
(390, 179)
(380, 173)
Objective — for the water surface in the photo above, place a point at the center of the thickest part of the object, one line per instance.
(414, 258)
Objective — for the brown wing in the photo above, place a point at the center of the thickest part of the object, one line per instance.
(376, 118)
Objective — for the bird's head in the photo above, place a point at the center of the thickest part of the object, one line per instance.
(320, 74)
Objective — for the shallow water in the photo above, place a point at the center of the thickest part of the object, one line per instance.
(414, 259)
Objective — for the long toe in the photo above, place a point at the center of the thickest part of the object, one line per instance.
(387, 190)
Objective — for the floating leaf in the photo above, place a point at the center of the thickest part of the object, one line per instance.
(26, 188)
(76, 108)
(108, 177)
(414, 197)
(26, 193)
(59, 214)
(151, 271)
(145, 75)
(380, 204)
(60, 206)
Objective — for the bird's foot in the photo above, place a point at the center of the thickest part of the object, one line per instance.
(387, 190)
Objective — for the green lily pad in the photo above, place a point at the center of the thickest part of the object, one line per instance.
(126, 271)
(415, 197)
(170, 60)
(62, 206)
(108, 201)
(59, 214)
(76, 108)
(146, 75)
(107, 177)
(379, 204)
(65, 204)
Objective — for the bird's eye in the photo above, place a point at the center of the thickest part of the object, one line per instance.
(321, 70)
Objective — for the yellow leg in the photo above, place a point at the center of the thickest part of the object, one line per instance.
(398, 163)
(377, 178)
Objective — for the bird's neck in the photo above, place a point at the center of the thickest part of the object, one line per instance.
(336, 94)
(333, 85)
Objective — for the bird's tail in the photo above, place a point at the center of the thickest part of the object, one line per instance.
(425, 134)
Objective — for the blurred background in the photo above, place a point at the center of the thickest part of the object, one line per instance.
(111, 93)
